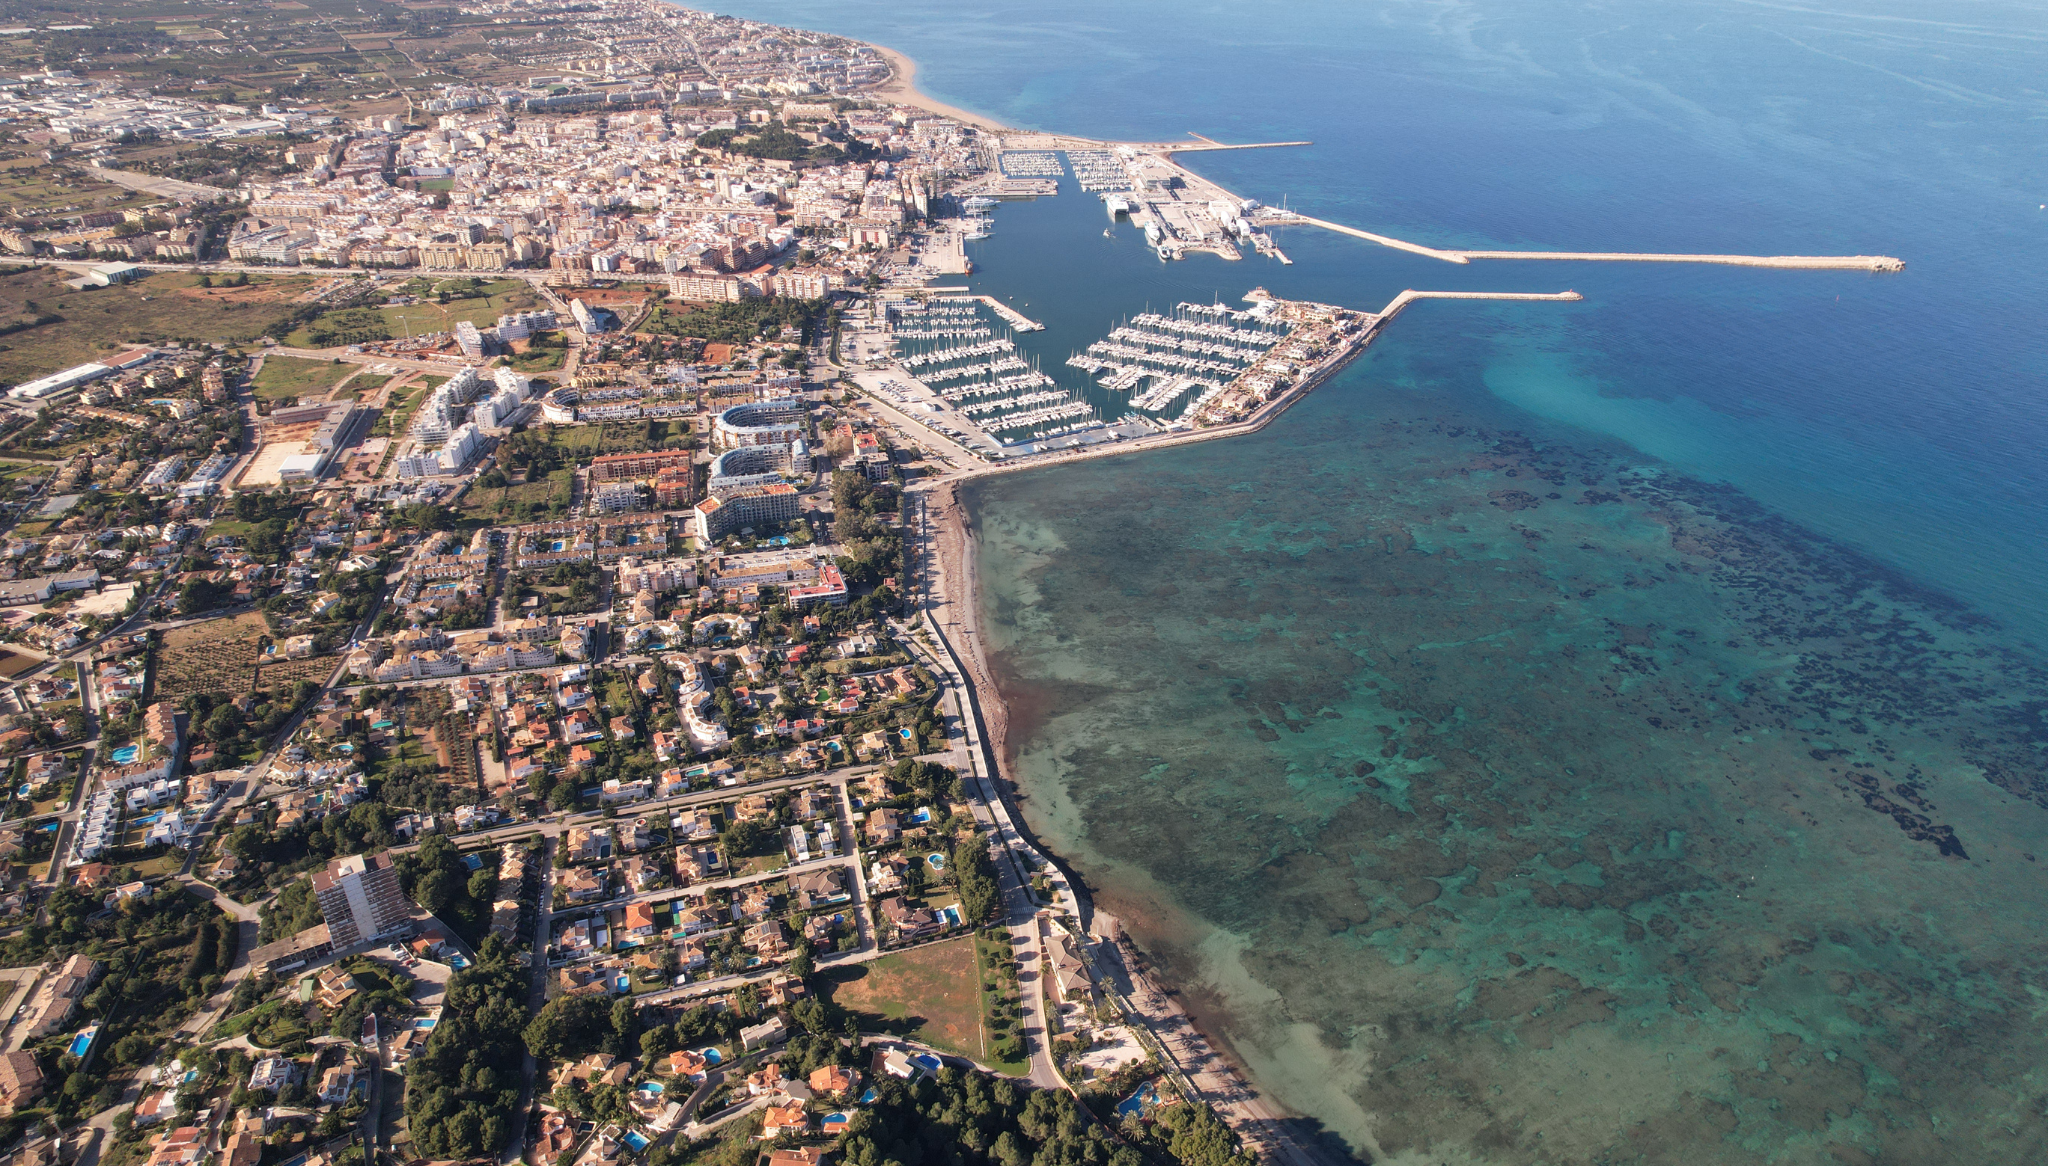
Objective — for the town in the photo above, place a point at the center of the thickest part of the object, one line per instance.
(467, 651)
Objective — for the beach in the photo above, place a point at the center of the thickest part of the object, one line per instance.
(902, 87)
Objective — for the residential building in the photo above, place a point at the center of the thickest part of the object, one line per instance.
(360, 897)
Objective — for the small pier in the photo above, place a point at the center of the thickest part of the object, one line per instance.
(1018, 321)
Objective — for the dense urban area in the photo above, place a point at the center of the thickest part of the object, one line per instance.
(466, 642)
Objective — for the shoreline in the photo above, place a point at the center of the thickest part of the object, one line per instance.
(902, 87)
(1207, 1068)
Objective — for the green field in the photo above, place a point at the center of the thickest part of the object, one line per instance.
(501, 296)
(360, 385)
(522, 502)
(30, 184)
(393, 418)
(539, 360)
(290, 376)
(929, 994)
(97, 321)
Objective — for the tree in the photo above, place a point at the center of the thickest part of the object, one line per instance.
(568, 1028)
(976, 876)
(801, 965)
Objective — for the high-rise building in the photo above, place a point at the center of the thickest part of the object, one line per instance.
(360, 897)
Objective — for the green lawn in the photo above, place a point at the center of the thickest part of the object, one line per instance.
(929, 994)
(289, 376)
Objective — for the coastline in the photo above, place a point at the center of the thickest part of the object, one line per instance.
(902, 87)
(1205, 1066)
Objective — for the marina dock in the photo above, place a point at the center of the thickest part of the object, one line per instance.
(1018, 321)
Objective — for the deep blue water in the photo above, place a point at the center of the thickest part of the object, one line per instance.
(1905, 414)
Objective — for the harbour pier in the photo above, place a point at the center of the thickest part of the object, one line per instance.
(1792, 262)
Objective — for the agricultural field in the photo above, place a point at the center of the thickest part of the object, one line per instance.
(281, 672)
(290, 378)
(214, 656)
(30, 185)
(14, 662)
(95, 322)
(928, 994)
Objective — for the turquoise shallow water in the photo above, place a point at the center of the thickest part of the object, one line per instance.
(1607, 732)
(1507, 798)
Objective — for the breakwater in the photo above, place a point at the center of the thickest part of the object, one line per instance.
(1792, 262)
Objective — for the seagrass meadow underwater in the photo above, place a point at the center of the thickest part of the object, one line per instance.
(1605, 732)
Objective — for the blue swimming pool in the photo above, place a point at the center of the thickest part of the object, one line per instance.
(83, 1041)
(1136, 1103)
(635, 1140)
(425, 1022)
(834, 1122)
(922, 814)
(867, 1096)
(473, 861)
(125, 754)
(938, 861)
(150, 819)
(711, 1056)
(654, 1087)
(950, 914)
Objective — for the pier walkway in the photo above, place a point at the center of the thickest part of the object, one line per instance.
(1793, 262)
(1018, 321)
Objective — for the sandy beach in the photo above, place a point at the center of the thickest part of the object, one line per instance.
(902, 87)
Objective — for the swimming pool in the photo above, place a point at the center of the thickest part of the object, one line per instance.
(125, 754)
(1136, 1103)
(834, 1122)
(83, 1041)
(951, 914)
(867, 1096)
(473, 861)
(426, 1022)
(927, 1062)
(654, 1087)
(636, 1140)
(922, 814)
(711, 1056)
(150, 819)
(938, 861)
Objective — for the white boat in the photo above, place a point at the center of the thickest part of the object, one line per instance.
(1108, 234)
(979, 203)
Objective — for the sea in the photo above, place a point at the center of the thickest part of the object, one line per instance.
(1585, 732)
